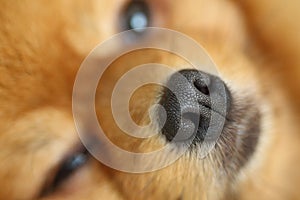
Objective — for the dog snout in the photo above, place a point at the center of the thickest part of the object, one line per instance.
(189, 98)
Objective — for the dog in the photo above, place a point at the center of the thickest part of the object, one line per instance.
(253, 43)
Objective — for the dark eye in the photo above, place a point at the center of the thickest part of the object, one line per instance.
(136, 15)
(65, 170)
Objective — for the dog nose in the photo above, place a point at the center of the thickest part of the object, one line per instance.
(189, 99)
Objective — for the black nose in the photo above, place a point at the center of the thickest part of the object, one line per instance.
(189, 100)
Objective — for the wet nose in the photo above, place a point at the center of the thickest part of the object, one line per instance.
(189, 99)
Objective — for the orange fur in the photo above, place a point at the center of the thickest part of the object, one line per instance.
(254, 44)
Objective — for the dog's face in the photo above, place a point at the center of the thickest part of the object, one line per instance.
(43, 45)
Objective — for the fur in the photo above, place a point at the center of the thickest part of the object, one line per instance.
(255, 45)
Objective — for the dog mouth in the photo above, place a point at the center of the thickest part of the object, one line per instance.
(193, 101)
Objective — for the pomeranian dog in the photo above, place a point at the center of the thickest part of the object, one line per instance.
(48, 152)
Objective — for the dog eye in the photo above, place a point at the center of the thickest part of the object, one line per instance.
(66, 169)
(136, 15)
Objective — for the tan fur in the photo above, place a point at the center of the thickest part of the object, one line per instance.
(255, 45)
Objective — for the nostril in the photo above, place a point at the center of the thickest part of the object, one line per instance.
(201, 86)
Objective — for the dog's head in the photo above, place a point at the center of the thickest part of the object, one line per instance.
(43, 47)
